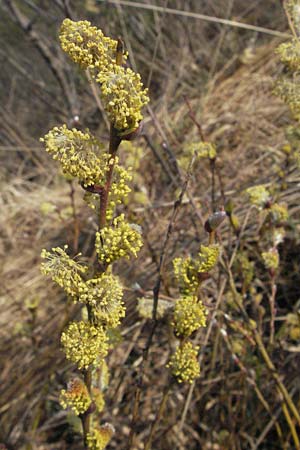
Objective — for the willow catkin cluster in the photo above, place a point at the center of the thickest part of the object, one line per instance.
(258, 195)
(271, 258)
(278, 213)
(189, 312)
(189, 315)
(97, 169)
(289, 53)
(87, 46)
(188, 270)
(201, 150)
(122, 92)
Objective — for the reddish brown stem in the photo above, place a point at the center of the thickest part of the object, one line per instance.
(193, 117)
(114, 143)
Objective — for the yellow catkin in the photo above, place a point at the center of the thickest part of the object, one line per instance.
(98, 399)
(76, 397)
(189, 315)
(63, 270)
(187, 270)
(123, 97)
(100, 437)
(289, 91)
(202, 150)
(119, 189)
(120, 240)
(105, 295)
(87, 46)
(271, 259)
(80, 154)
(289, 53)
(145, 307)
(184, 364)
(208, 257)
(84, 344)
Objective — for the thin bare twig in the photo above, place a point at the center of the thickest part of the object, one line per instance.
(159, 416)
(193, 15)
(156, 291)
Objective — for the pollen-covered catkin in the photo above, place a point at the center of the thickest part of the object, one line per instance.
(80, 154)
(64, 271)
(184, 364)
(105, 294)
(84, 344)
(98, 399)
(76, 397)
(187, 270)
(123, 97)
(289, 53)
(100, 437)
(119, 240)
(202, 150)
(186, 273)
(207, 257)
(87, 46)
(189, 315)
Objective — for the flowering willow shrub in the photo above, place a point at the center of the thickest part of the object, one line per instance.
(82, 156)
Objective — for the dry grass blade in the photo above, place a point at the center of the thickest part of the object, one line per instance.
(192, 15)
